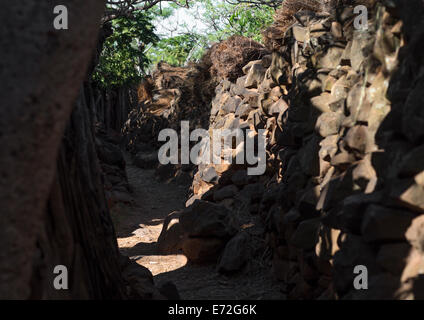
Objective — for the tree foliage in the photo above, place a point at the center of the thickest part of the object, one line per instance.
(244, 19)
(176, 50)
(223, 19)
(125, 8)
(134, 46)
(123, 58)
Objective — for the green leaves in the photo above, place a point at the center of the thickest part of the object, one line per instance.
(246, 20)
(123, 60)
(177, 50)
(134, 47)
(222, 20)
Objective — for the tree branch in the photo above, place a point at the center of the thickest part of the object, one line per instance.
(125, 8)
(258, 3)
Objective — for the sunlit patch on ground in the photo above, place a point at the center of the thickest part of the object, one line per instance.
(162, 264)
(138, 228)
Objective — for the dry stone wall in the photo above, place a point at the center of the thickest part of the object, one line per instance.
(343, 187)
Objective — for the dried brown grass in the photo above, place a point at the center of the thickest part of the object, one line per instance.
(168, 77)
(285, 15)
(228, 57)
(145, 90)
(284, 18)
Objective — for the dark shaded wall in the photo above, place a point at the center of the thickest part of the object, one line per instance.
(53, 207)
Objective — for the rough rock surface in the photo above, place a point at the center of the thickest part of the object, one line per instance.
(344, 178)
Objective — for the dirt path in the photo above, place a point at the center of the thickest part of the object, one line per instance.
(138, 227)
